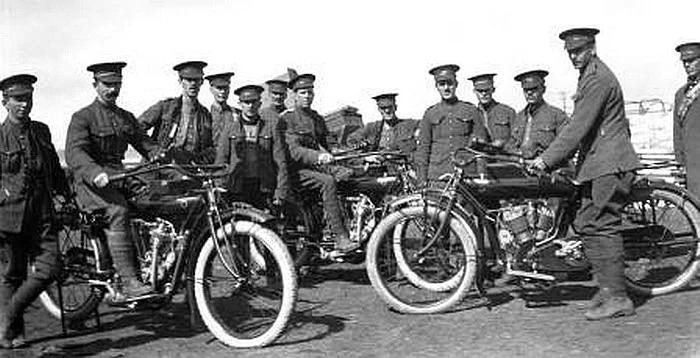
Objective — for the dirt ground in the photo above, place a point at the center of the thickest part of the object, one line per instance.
(339, 314)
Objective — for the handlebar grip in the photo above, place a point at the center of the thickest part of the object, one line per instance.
(117, 177)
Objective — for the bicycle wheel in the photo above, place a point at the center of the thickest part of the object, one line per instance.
(662, 248)
(421, 284)
(79, 257)
(251, 310)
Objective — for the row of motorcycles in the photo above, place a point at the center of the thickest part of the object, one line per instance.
(425, 249)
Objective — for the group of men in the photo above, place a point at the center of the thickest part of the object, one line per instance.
(272, 149)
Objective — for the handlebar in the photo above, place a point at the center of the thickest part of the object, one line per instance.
(192, 170)
(389, 155)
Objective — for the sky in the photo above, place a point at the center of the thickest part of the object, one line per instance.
(357, 49)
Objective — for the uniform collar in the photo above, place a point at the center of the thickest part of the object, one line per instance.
(105, 105)
(488, 106)
(533, 109)
(450, 101)
(17, 128)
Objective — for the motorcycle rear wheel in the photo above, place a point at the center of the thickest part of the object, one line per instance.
(79, 257)
(421, 285)
(662, 256)
(251, 310)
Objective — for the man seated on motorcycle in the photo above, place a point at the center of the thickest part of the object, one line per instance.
(252, 144)
(97, 138)
(391, 133)
(306, 133)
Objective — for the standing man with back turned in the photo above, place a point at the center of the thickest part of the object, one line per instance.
(686, 117)
(600, 131)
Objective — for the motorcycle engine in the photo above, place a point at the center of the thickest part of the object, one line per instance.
(523, 222)
(361, 219)
(158, 246)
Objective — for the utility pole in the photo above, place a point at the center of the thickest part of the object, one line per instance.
(562, 95)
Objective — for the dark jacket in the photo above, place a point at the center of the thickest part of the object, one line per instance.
(598, 127)
(446, 127)
(402, 136)
(498, 119)
(98, 136)
(547, 122)
(306, 136)
(272, 157)
(164, 118)
(18, 180)
(686, 139)
(220, 116)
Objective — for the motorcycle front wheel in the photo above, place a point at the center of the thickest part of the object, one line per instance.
(252, 307)
(421, 283)
(662, 249)
(79, 262)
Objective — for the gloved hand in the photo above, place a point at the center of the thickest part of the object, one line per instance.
(325, 158)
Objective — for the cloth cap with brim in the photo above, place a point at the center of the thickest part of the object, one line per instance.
(444, 72)
(107, 71)
(248, 92)
(302, 81)
(385, 99)
(277, 86)
(484, 81)
(219, 79)
(191, 69)
(17, 85)
(575, 38)
(531, 79)
(689, 50)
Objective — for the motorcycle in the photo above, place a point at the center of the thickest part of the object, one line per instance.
(426, 256)
(238, 274)
(363, 200)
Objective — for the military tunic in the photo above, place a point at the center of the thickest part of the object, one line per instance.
(686, 137)
(401, 136)
(221, 114)
(598, 127)
(446, 127)
(98, 136)
(29, 173)
(498, 119)
(545, 122)
(267, 145)
(165, 119)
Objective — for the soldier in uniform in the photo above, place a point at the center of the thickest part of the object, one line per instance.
(306, 135)
(30, 173)
(221, 112)
(446, 126)
(182, 125)
(391, 133)
(536, 126)
(600, 132)
(498, 117)
(97, 138)
(686, 116)
(253, 146)
(278, 94)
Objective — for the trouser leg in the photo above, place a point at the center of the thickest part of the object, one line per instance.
(326, 184)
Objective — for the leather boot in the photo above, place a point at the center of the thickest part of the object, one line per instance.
(344, 245)
(11, 315)
(124, 259)
(615, 306)
(598, 299)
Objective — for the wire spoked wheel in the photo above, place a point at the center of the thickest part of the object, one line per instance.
(661, 246)
(252, 308)
(414, 272)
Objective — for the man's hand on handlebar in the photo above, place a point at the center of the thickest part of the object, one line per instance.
(537, 165)
(325, 158)
(101, 180)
